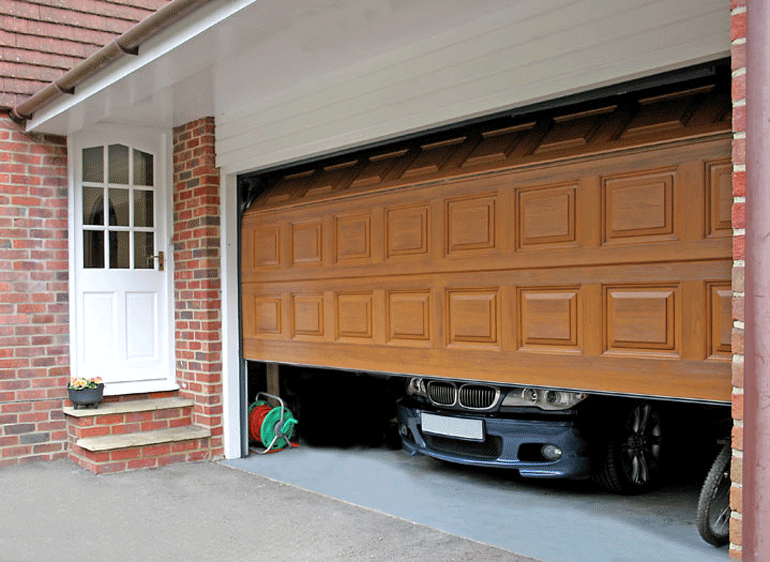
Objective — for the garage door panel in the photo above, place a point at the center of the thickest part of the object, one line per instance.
(548, 319)
(719, 197)
(545, 217)
(407, 231)
(638, 207)
(720, 320)
(609, 271)
(642, 319)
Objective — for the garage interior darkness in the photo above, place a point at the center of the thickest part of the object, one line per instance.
(312, 247)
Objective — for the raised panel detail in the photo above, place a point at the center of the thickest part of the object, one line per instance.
(267, 316)
(641, 318)
(354, 315)
(353, 237)
(407, 231)
(307, 315)
(307, 243)
(99, 329)
(408, 317)
(548, 318)
(546, 216)
(472, 317)
(638, 207)
(266, 247)
(141, 325)
(470, 224)
(719, 197)
(720, 309)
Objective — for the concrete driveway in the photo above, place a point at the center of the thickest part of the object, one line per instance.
(201, 511)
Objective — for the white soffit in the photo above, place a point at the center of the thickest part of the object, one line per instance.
(292, 80)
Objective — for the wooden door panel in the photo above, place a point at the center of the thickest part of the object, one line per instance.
(610, 275)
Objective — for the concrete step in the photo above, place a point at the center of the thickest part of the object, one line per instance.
(143, 438)
(129, 407)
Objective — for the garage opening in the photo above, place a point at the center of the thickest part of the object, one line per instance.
(546, 294)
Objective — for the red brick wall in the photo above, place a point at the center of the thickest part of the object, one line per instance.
(738, 38)
(34, 327)
(197, 275)
(41, 39)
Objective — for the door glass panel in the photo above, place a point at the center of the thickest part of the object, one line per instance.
(119, 254)
(118, 207)
(143, 249)
(93, 164)
(143, 204)
(93, 249)
(142, 168)
(118, 163)
(93, 206)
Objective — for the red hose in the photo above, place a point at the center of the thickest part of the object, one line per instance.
(257, 416)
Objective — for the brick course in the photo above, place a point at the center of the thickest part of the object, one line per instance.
(197, 275)
(34, 308)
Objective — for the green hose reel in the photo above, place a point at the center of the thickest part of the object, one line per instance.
(276, 425)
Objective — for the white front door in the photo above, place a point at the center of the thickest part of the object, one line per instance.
(121, 261)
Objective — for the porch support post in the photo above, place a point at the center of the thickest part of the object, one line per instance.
(756, 456)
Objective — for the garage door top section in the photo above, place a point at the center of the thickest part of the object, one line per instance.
(617, 124)
(588, 248)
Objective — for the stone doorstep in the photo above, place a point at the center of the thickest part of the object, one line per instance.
(129, 407)
(142, 438)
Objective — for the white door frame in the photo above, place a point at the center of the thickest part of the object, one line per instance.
(123, 135)
(231, 340)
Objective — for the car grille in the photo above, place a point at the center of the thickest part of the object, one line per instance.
(442, 393)
(489, 449)
(477, 397)
(469, 396)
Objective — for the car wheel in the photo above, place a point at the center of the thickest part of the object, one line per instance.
(713, 516)
(629, 461)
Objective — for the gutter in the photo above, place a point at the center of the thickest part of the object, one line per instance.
(126, 44)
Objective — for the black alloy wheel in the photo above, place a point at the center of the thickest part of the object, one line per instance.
(630, 459)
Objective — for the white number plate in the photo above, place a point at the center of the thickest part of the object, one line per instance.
(453, 427)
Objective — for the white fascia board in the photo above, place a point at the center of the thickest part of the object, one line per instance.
(186, 29)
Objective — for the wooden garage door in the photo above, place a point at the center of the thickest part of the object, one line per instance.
(584, 249)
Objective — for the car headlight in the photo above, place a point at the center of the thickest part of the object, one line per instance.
(545, 399)
(416, 387)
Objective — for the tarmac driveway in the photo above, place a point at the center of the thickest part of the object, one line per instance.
(56, 511)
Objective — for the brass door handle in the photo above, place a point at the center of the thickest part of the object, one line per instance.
(161, 260)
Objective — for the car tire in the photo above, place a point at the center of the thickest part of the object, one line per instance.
(713, 517)
(629, 458)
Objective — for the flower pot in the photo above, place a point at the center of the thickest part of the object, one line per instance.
(87, 396)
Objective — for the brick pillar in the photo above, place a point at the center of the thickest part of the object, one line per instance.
(738, 53)
(34, 322)
(197, 275)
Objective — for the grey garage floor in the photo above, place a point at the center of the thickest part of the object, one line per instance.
(551, 521)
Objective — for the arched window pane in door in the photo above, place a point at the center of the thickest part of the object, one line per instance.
(118, 163)
(118, 219)
(143, 168)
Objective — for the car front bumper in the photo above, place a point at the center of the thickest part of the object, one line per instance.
(508, 443)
